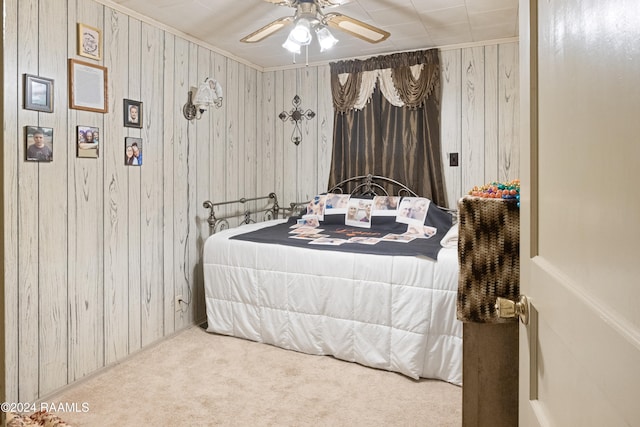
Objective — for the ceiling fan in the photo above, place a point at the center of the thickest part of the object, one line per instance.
(309, 16)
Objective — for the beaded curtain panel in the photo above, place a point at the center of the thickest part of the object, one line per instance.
(488, 256)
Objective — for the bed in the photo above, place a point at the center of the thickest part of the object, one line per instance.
(391, 312)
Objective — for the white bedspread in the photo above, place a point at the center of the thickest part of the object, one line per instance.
(390, 312)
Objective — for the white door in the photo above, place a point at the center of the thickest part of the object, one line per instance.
(580, 212)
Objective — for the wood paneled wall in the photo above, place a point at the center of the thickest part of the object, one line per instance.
(479, 116)
(96, 252)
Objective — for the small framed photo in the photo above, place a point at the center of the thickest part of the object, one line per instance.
(88, 140)
(89, 42)
(38, 144)
(133, 151)
(132, 113)
(87, 86)
(38, 93)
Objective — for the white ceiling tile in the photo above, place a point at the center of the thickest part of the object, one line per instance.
(445, 17)
(413, 24)
(476, 6)
(428, 5)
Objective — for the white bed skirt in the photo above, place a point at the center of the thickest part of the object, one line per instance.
(396, 313)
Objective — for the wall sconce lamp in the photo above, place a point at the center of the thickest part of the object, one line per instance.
(208, 94)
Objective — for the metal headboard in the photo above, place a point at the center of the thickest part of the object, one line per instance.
(363, 185)
(372, 185)
(220, 223)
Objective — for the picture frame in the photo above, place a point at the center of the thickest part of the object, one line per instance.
(132, 151)
(87, 86)
(89, 42)
(132, 113)
(38, 144)
(38, 93)
(88, 142)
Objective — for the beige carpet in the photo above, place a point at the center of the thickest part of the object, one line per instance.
(195, 378)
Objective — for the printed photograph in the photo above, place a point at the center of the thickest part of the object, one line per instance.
(38, 144)
(359, 213)
(132, 113)
(316, 207)
(327, 241)
(421, 231)
(308, 236)
(385, 205)
(307, 221)
(305, 229)
(336, 204)
(403, 238)
(364, 240)
(413, 210)
(132, 151)
(88, 142)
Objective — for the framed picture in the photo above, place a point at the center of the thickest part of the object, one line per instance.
(89, 42)
(87, 86)
(38, 93)
(88, 141)
(38, 143)
(132, 113)
(133, 151)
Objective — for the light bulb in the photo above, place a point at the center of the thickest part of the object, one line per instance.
(301, 33)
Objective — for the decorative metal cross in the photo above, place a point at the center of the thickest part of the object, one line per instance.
(296, 115)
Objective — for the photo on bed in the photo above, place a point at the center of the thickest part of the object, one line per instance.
(336, 204)
(330, 241)
(364, 240)
(359, 213)
(402, 238)
(421, 231)
(413, 210)
(305, 229)
(316, 206)
(308, 236)
(307, 221)
(385, 205)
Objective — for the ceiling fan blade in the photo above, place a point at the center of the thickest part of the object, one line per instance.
(356, 28)
(330, 3)
(267, 30)
(280, 2)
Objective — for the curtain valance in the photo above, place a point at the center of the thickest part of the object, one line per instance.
(405, 79)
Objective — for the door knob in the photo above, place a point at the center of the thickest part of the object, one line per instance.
(507, 308)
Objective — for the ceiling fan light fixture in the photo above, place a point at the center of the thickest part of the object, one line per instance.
(325, 38)
(301, 33)
(291, 45)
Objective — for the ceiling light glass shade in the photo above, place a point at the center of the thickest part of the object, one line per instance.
(325, 38)
(301, 33)
(291, 45)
